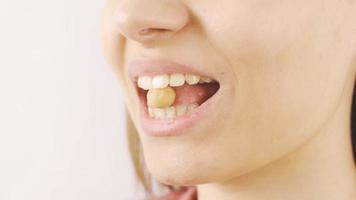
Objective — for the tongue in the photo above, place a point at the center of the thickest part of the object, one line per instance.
(188, 94)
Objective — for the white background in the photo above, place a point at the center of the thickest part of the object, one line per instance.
(61, 112)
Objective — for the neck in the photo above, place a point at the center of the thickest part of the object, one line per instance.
(323, 168)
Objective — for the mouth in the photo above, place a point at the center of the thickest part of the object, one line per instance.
(173, 99)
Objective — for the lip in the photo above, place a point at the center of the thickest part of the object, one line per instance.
(179, 125)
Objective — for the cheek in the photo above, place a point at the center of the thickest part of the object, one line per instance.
(258, 31)
(281, 55)
(286, 76)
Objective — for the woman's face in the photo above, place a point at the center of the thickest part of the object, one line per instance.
(281, 67)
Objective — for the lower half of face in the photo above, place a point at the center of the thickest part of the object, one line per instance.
(280, 69)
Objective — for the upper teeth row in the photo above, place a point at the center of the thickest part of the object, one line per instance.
(173, 80)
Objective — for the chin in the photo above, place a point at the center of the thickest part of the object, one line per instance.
(178, 177)
(178, 171)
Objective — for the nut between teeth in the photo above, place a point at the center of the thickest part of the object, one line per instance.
(161, 97)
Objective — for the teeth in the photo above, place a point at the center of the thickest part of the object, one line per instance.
(176, 80)
(192, 79)
(161, 96)
(160, 81)
(159, 113)
(171, 112)
(181, 110)
(191, 107)
(205, 80)
(144, 82)
(151, 112)
(173, 80)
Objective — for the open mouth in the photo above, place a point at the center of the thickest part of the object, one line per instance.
(175, 95)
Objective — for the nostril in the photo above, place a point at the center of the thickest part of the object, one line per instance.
(145, 25)
(149, 32)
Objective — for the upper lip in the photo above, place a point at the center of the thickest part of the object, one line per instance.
(153, 67)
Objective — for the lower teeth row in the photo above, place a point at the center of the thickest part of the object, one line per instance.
(171, 112)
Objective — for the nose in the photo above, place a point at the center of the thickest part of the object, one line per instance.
(146, 21)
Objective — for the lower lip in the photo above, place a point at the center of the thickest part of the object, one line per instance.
(176, 126)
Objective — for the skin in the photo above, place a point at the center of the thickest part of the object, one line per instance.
(286, 71)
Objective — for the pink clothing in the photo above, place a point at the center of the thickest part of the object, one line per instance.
(188, 194)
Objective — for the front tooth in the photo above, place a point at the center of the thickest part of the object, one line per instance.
(176, 80)
(181, 109)
(170, 112)
(160, 81)
(190, 107)
(144, 82)
(159, 113)
(192, 79)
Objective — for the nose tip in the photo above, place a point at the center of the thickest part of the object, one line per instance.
(150, 21)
